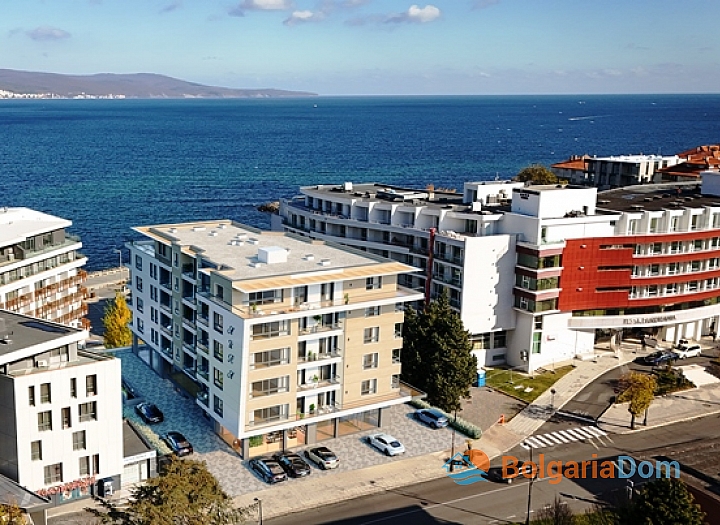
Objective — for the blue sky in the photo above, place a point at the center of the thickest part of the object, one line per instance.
(377, 47)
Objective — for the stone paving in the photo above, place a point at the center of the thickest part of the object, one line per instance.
(183, 414)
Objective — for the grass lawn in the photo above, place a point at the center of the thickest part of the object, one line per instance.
(500, 380)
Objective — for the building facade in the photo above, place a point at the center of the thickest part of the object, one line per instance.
(41, 268)
(537, 273)
(61, 412)
(282, 340)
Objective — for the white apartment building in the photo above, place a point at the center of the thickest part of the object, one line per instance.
(41, 268)
(61, 412)
(284, 341)
(618, 170)
(538, 273)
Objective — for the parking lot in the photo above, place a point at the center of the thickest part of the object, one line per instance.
(182, 414)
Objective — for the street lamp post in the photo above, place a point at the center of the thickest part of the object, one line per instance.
(119, 252)
(552, 399)
(452, 453)
(259, 503)
(530, 485)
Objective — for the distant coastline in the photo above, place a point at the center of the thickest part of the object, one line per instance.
(15, 84)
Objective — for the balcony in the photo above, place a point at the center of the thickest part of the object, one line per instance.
(167, 350)
(319, 356)
(167, 285)
(203, 397)
(204, 373)
(321, 328)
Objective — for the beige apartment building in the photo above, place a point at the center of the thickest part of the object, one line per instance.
(283, 341)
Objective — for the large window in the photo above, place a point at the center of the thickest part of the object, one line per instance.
(371, 335)
(218, 351)
(368, 387)
(45, 396)
(88, 411)
(270, 386)
(73, 387)
(370, 361)
(36, 450)
(218, 322)
(276, 329)
(372, 311)
(91, 385)
(278, 356)
(45, 421)
(218, 405)
(266, 297)
(79, 442)
(31, 396)
(218, 378)
(373, 283)
(66, 418)
(265, 415)
(53, 473)
(84, 466)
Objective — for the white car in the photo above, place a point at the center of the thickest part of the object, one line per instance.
(386, 443)
(684, 352)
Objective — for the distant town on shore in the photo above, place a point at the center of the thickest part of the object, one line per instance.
(16, 84)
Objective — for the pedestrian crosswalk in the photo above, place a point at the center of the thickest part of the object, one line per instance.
(562, 437)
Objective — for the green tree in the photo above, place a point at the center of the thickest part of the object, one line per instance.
(185, 493)
(537, 174)
(639, 391)
(437, 354)
(116, 319)
(664, 501)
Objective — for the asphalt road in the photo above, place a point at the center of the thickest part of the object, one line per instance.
(442, 501)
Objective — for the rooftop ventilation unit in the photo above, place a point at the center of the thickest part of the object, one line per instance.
(42, 363)
(636, 207)
(603, 202)
(212, 234)
(241, 236)
(256, 264)
(272, 255)
(253, 240)
(221, 226)
(198, 228)
(173, 230)
(236, 242)
(309, 257)
(347, 186)
(325, 262)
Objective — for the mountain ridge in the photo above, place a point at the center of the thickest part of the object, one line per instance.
(127, 85)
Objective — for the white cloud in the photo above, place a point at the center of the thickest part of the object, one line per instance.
(300, 17)
(416, 14)
(423, 14)
(47, 33)
(267, 5)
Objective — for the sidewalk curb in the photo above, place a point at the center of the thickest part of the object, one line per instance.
(659, 425)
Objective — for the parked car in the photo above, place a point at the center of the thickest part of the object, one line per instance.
(432, 417)
(178, 443)
(684, 351)
(660, 357)
(386, 443)
(292, 464)
(524, 472)
(323, 457)
(268, 469)
(149, 413)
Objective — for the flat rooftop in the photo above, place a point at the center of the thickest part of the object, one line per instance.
(374, 192)
(132, 444)
(237, 250)
(18, 332)
(16, 224)
(656, 197)
(633, 158)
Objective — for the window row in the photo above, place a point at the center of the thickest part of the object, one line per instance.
(675, 268)
(653, 290)
(87, 466)
(665, 248)
(86, 412)
(45, 390)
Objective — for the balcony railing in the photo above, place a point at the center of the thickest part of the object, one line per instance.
(321, 328)
(319, 356)
(320, 383)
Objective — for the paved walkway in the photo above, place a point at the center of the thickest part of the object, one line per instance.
(666, 410)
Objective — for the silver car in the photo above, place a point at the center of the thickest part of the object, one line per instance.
(323, 457)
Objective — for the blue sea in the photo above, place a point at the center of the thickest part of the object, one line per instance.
(108, 165)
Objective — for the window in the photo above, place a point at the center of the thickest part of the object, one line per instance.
(96, 464)
(218, 351)
(53, 474)
(177, 284)
(395, 381)
(266, 297)
(398, 330)
(154, 315)
(45, 396)
(368, 387)
(655, 247)
(84, 465)
(154, 271)
(675, 247)
(218, 378)
(279, 356)
(36, 450)
(396, 355)
(671, 288)
(219, 292)
(138, 283)
(692, 286)
(538, 323)
(372, 311)
(653, 225)
(264, 415)
(138, 262)
(79, 442)
(176, 260)
(218, 322)
(73, 387)
(218, 405)
(91, 385)
(140, 325)
(31, 396)
(153, 293)
(536, 342)
(275, 329)
(698, 245)
(371, 335)
(88, 411)
(139, 305)
(66, 419)
(673, 268)
(370, 361)
(694, 222)
(45, 421)
(373, 283)
(524, 304)
(499, 339)
(673, 224)
(270, 386)
(652, 290)
(654, 269)
(696, 266)
(633, 225)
